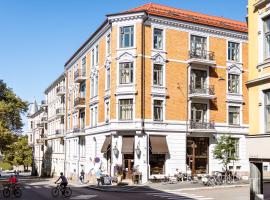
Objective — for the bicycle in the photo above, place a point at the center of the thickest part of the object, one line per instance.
(12, 189)
(65, 191)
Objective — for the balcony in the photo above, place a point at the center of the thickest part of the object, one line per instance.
(201, 125)
(44, 104)
(44, 119)
(60, 90)
(60, 112)
(77, 129)
(159, 90)
(79, 102)
(79, 76)
(40, 125)
(203, 92)
(59, 131)
(201, 57)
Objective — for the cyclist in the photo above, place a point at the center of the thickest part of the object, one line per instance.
(64, 181)
(12, 179)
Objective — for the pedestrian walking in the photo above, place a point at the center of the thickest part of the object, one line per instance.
(98, 176)
(82, 176)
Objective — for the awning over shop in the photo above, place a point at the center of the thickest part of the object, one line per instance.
(158, 144)
(106, 144)
(128, 145)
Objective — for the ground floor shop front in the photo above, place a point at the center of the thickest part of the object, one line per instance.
(150, 154)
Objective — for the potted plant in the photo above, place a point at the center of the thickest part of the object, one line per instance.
(119, 173)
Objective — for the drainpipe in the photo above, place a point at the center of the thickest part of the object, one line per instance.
(143, 91)
(187, 110)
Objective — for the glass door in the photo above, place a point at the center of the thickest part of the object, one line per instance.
(198, 80)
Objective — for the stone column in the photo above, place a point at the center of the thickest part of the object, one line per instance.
(256, 181)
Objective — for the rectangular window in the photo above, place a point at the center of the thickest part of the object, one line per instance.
(267, 111)
(92, 117)
(126, 109)
(126, 36)
(158, 110)
(82, 146)
(92, 89)
(234, 115)
(158, 75)
(107, 111)
(83, 66)
(82, 90)
(97, 55)
(198, 47)
(126, 73)
(96, 86)
(266, 29)
(108, 44)
(233, 83)
(93, 57)
(96, 116)
(233, 51)
(198, 112)
(108, 78)
(158, 39)
(236, 146)
(157, 163)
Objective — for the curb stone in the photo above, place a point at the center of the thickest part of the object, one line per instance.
(129, 190)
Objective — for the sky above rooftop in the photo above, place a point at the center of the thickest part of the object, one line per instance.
(38, 37)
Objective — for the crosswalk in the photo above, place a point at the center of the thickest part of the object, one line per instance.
(178, 196)
(31, 187)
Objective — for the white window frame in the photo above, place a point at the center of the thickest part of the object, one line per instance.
(163, 109)
(153, 38)
(108, 47)
(240, 112)
(239, 83)
(119, 39)
(133, 73)
(239, 51)
(133, 107)
(108, 81)
(153, 68)
(107, 107)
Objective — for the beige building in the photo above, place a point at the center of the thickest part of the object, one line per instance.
(152, 89)
(259, 93)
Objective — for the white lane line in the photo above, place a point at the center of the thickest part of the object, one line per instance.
(27, 187)
(37, 187)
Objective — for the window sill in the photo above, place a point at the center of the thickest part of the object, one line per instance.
(234, 125)
(235, 62)
(159, 50)
(126, 48)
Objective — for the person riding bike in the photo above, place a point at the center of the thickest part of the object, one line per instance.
(12, 179)
(64, 181)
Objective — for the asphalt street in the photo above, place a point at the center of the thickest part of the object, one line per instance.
(35, 189)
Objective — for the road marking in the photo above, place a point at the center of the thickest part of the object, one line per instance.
(27, 187)
(178, 196)
(37, 187)
(84, 197)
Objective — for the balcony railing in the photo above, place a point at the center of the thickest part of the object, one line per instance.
(77, 129)
(206, 89)
(59, 131)
(201, 54)
(79, 75)
(79, 102)
(60, 111)
(44, 103)
(44, 119)
(201, 125)
(40, 125)
(60, 90)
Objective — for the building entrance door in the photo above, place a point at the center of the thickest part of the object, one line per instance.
(197, 154)
(128, 165)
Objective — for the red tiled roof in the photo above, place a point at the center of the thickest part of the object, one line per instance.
(189, 16)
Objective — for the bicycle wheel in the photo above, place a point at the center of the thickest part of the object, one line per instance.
(6, 193)
(67, 192)
(17, 192)
(55, 192)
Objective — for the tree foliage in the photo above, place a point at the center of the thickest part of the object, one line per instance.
(19, 153)
(11, 108)
(225, 150)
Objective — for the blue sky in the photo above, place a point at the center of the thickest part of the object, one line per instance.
(38, 36)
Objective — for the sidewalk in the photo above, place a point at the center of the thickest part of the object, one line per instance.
(149, 187)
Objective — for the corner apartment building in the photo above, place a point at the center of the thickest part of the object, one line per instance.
(55, 98)
(152, 89)
(259, 94)
(37, 126)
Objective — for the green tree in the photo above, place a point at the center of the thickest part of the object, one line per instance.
(20, 153)
(225, 151)
(11, 108)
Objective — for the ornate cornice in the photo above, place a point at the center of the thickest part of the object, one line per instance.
(196, 27)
